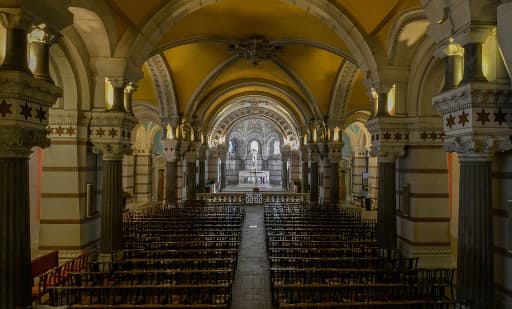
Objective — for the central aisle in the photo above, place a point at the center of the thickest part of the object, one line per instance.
(251, 288)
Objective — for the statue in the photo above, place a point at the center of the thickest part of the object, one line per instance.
(254, 158)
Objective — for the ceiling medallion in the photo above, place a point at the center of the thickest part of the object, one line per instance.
(255, 49)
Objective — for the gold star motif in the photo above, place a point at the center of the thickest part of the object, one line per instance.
(387, 136)
(26, 111)
(398, 136)
(70, 130)
(483, 117)
(59, 130)
(100, 132)
(433, 135)
(112, 132)
(424, 135)
(41, 114)
(463, 118)
(5, 108)
(500, 117)
(450, 121)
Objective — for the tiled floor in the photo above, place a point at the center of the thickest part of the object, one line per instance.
(251, 288)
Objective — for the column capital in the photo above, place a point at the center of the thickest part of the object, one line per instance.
(117, 81)
(388, 131)
(14, 18)
(476, 117)
(477, 148)
(24, 105)
(110, 132)
(335, 149)
(170, 149)
(42, 34)
(386, 153)
(474, 34)
(449, 48)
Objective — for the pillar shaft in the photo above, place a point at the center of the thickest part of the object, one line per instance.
(15, 263)
(284, 175)
(386, 215)
(112, 206)
(475, 267)
(452, 67)
(313, 173)
(118, 102)
(202, 180)
(305, 172)
(15, 50)
(41, 51)
(171, 182)
(222, 174)
(473, 63)
(191, 180)
(334, 194)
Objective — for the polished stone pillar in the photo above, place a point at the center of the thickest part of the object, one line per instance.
(313, 174)
(202, 179)
(191, 180)
(473, 63)
(386, 214)
(305, 173)
(334, 192)
(15, 269)
(118, 85)
(284, 175)
(222, 174)
(171, 182)
(15, 42)
(475, 265)
(452, 71)
(112, 204)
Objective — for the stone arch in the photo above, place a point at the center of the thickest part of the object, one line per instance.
(221, 126)
(145, 41)
(396, 51)
(308, 111)
(164, 86)
(93, 30)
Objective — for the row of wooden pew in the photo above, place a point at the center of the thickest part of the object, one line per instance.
(172, 258)
(327, 257)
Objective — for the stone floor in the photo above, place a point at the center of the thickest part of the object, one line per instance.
(251, 287)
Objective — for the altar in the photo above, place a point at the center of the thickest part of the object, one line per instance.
(252, 178)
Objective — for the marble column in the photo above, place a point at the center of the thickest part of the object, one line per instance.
(222, 174)
(171, 182)
(15, 270)
(191, 184)
(112, 204)
(15, 42)
(475, 264)
(313, 174)
(284, 174)
(21, 96)
(452, 69)
(386, 214)
(473, 63)
(334, 193)
(202, 179)
(305, 173)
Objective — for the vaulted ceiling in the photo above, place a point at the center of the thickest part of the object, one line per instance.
(204, 55)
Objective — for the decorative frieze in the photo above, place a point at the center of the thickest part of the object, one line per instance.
(110, 133)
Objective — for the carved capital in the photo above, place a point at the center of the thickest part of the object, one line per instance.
(387, 153)
(110, 132)
(14, 19)
(17, 142)
(170, 149)
(478, 147)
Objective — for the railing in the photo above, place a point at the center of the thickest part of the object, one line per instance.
(253, 197)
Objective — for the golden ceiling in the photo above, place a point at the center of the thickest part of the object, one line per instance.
(199, 68)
